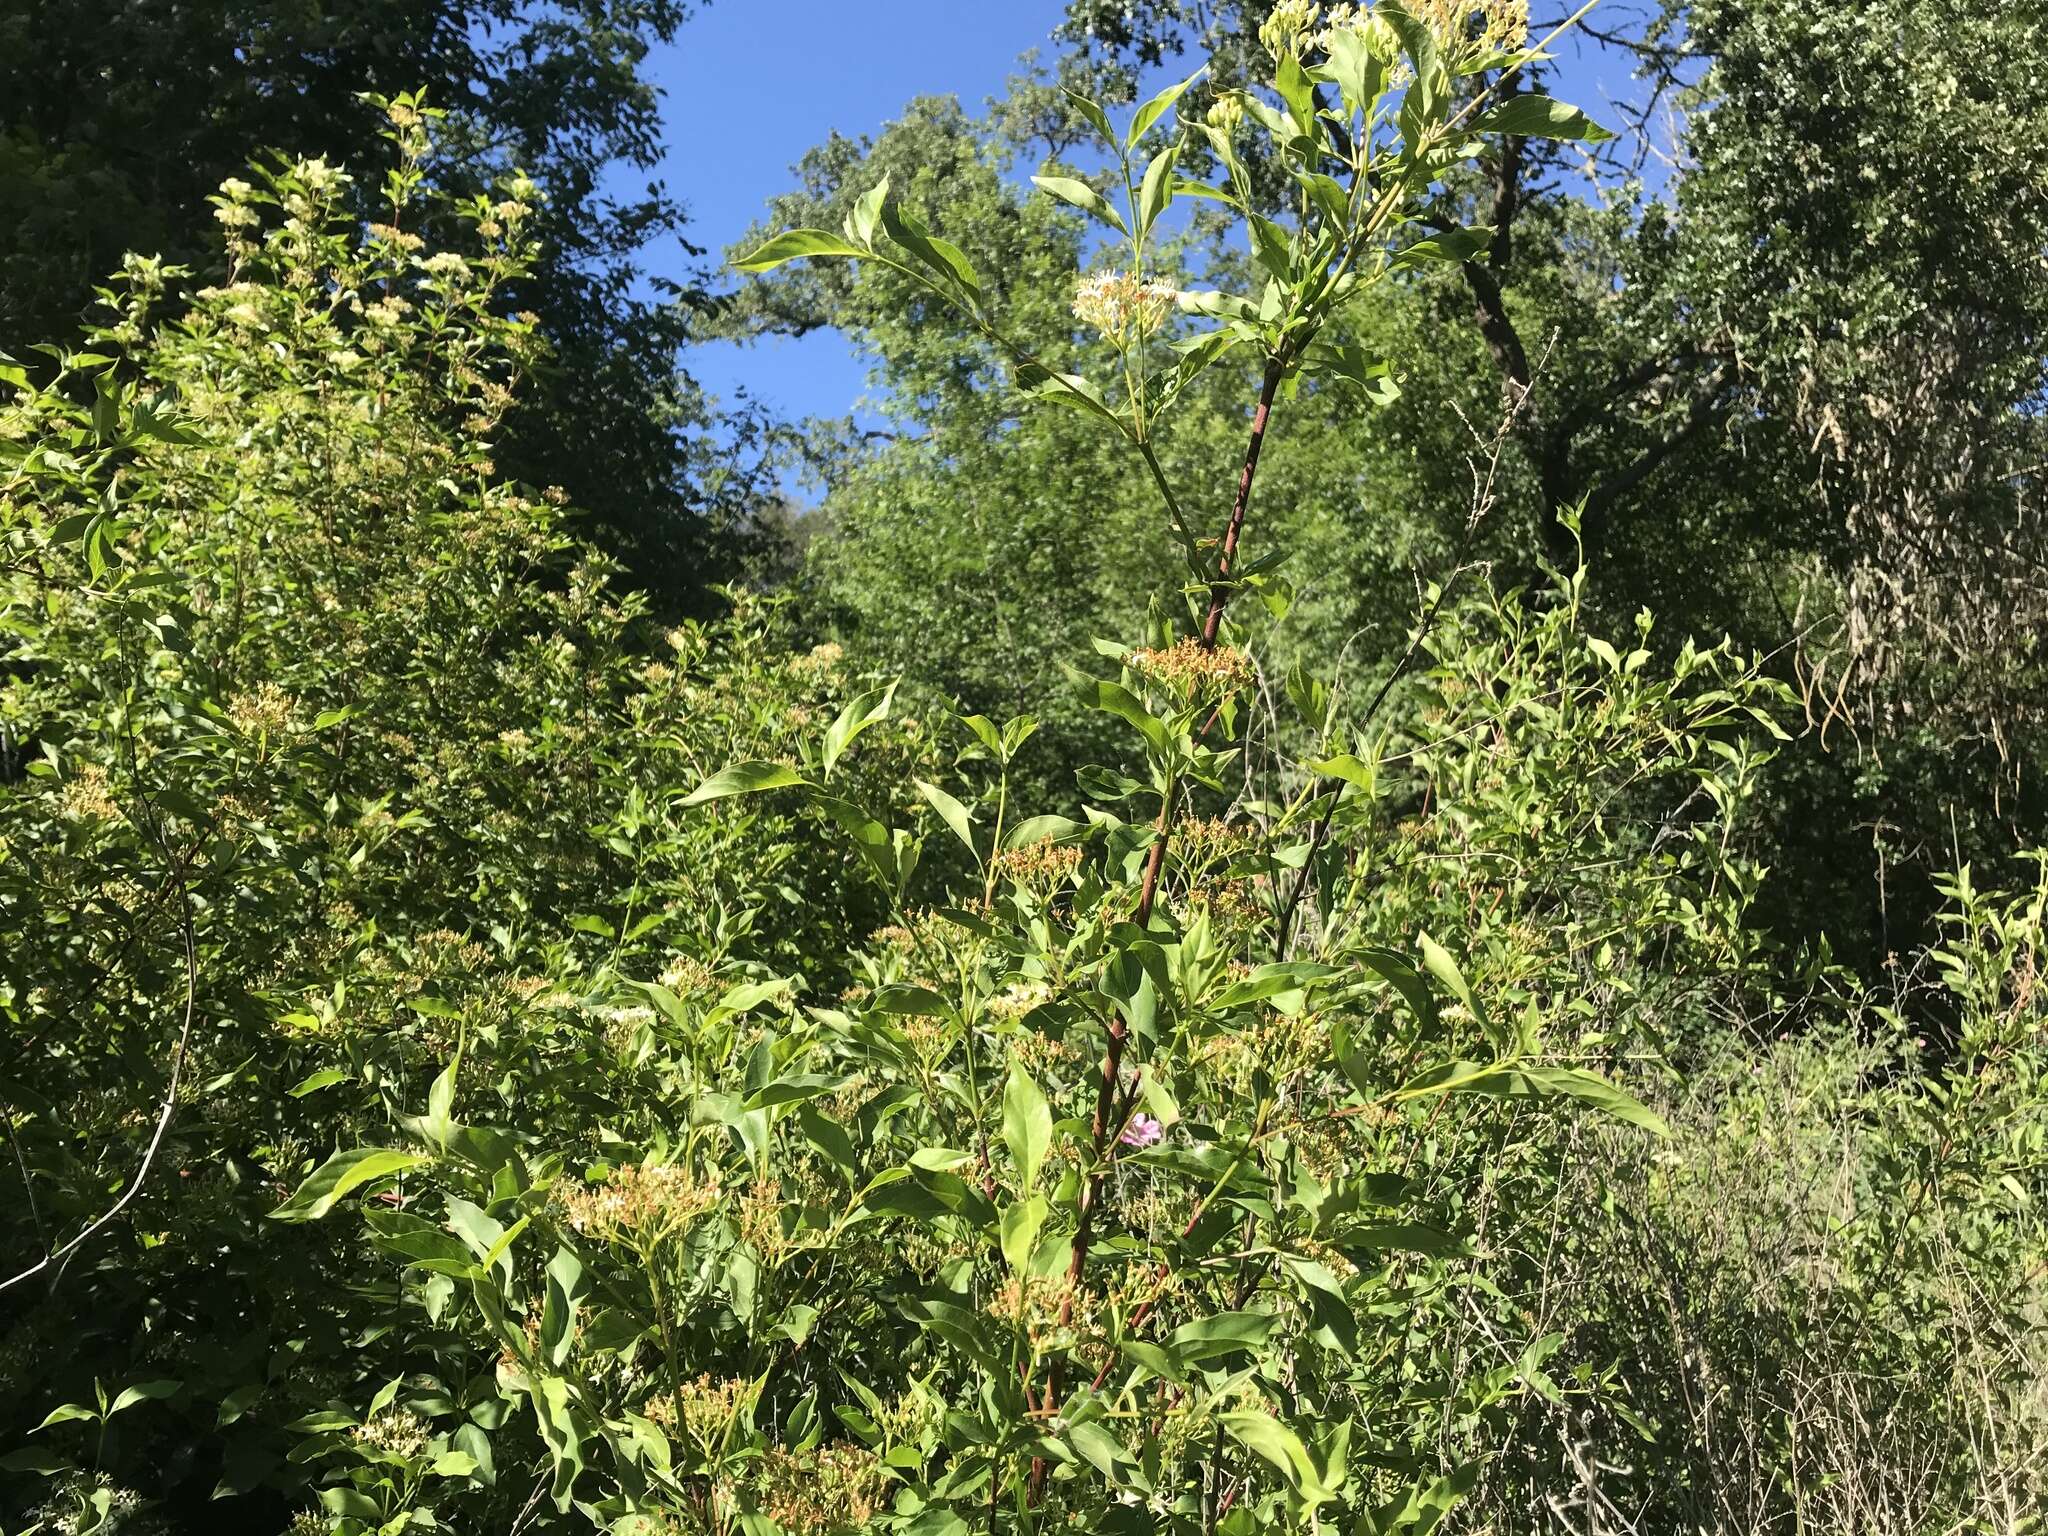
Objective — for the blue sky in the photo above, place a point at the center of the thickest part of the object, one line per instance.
(750, 85)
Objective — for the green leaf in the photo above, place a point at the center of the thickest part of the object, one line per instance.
(1097, 118)
(1069, 189)
(1510, 1081)
(1404, 979)
(943, 259)
(1027, 1125)
(1225, 1333)
(1591, 1088)
(745, 996)
(793, 244)
(1329, 197)
(325, 1421)
(1116, 699)
(1367, 372)
(903, 998)
(1425, 94)
(1128, 981)
(33, 1458)
(1155, 109)
(1156, 1359)
(1352, 770)
(1438, 962)
(313, 1082)
(439, 1121)
(1155, 194)
(867, 213)
(1451, 245)
(349, 1504)
(1539, 117)
(1272, 248)
(1267, 1437)
(238, 1402)
(793, 1090)
(1036, 829)
(952, 812)
(1021, 1225)
(565, 1288)
(860, 713)
(1100, 1448)
(1357, 71)
(341, 1173)
(1041, 383)
(1462, 1077)
(830, 1138)
(1273, 980)
(143, 1392)
(67, 1413)
(1298, 91)
(743, 779)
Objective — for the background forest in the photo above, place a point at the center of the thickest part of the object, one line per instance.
(581, 955)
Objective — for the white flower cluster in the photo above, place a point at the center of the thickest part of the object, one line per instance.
(1122, 305)
(1465, 30)
(317, 175)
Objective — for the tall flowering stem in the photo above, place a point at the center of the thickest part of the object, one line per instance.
(1376, 105)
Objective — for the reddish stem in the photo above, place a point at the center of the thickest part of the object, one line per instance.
(1219, 594)
(1148, 890)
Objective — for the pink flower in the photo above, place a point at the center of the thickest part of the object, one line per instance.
(1143, 1131)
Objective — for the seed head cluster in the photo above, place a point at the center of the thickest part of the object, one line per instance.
(1188, 667)
(836, 1487)
(394, 1432)
(702, 1409)
(1044, 864)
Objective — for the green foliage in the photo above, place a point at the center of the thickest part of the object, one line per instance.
(117, 122)
(480, 1061)
(1822, 1295)
(327, 749)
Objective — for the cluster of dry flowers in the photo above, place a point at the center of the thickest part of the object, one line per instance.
(1188, 667)
(1044, 864)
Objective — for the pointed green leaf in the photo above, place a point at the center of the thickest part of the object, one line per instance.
(341, 1173)
(1069, 189)
(1157, 108)
(951, 811)
(1155, 195)
(743, 779)
(856, 717)
(793, 244)
(1027, 1125)
(1539, 117)
(1021, 1224)
(142, 1392)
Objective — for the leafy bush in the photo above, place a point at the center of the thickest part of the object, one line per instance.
(479, 1063)
(1145, 1181)
(323, 747)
